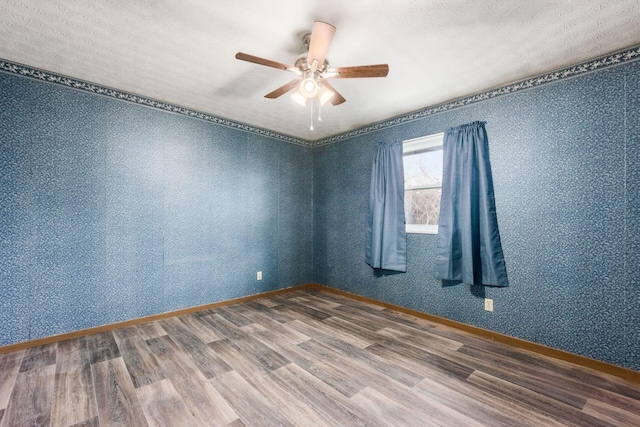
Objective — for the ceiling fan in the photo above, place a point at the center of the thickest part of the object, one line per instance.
(314, 70)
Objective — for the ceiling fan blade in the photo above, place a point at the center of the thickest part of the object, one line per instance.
(261, 61)
(321, 37)
(336, 99)
(379, 70)
(283, 89)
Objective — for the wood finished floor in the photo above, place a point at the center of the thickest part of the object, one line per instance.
(304, 358)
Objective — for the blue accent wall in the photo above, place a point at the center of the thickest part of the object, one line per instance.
(565, 159)
(112, 211)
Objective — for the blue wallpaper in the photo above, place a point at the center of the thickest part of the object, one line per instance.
(111, 211)
(565, 162)
(631, 313)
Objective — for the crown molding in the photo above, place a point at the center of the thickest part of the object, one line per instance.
(602, 62)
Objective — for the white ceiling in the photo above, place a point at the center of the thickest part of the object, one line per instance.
(182, 51)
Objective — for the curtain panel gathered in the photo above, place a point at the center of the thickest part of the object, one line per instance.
(469, 248)
(386, 242)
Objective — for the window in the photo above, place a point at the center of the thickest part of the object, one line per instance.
(422, 183)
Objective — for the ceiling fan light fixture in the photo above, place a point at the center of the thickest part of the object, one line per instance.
(298, 98)
(308, 87)
(324, 95)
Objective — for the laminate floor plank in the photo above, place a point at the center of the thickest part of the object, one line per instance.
(405, 319)
(508, 402)
(387, 410)
(418, 338)
(118, 403)
(204, 358)
(163, 406)
(457, 359)
(74, 398)
(561, 370)
(225, 328)
(535, 403)
(422, 405)
(9, 367)
(333, 376)
(151, 330)
(259, 352)
(244, 310)
(102, 346)
(266, 302)
(93, 422)
(468, 404)
(611, 414)
(268, 385)
(233, 316)
(298, 311)
(30, 401)
(247, 402)
(263, 322)
(344, 326)
(321, 329)
(280, 299)
(313, 301)
(141, 364)
(365, 318)
(355, 353)
(361, 320)
(36, 357)
(343, 299)
(202, 400)
(543, 384)
(269, 311)
(452, 367)
(419, 405)
(580, 384)
(304, 358)
(200, 328)
(326, 401)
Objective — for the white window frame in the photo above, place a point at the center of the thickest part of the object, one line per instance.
(418, 144)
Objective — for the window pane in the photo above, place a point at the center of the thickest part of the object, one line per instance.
(422, 206)
(423, 168)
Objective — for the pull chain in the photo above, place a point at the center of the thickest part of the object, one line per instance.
(311, 117)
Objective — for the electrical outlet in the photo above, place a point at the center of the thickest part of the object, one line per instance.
(259, 275)
(488, 304)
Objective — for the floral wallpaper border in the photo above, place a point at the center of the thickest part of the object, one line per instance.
(616, 58)
(612, 59)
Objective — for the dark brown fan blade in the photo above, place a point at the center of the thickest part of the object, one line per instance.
(336, 99)
(283, 89)
(379, 70)
(261, 61)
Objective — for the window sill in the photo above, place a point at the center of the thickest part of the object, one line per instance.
(421, 229)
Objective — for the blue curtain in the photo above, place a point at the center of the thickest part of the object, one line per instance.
(469, 249)
(386, 241)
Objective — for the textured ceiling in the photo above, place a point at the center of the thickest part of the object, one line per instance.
(182, 52)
